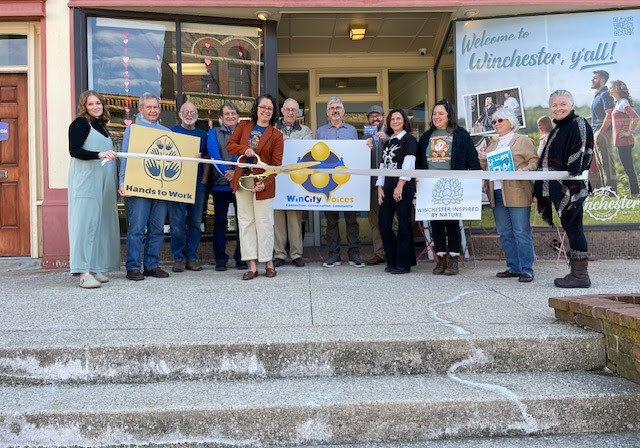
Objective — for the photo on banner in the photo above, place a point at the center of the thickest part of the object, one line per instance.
(594, 56)
(305, 190)
(161, 179)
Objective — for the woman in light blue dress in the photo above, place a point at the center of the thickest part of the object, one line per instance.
(94, 231)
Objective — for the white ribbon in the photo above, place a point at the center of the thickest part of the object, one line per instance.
(416, 174)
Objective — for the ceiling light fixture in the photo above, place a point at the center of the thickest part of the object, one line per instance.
(263, 15)
(357, 32)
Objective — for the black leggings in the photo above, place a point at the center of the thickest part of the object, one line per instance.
(446, 236)
(626, 157)
(571, 221)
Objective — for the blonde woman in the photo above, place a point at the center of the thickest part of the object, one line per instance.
(94, 231)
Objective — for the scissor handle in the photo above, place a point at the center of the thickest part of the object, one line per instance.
(260, 162)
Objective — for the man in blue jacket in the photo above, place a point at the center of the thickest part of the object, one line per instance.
(143, 212)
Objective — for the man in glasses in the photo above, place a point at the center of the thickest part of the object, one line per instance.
(337, 129)
(288, 223)
(185, 219)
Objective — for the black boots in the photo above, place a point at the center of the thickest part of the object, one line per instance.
(578, 277)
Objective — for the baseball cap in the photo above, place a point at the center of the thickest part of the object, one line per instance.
(375, 108)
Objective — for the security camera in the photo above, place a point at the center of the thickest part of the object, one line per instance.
(422, 51)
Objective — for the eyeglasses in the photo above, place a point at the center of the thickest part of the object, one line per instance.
(267, 108)
(190, 112)
(499, 120)
(291, 110)
(335, 108)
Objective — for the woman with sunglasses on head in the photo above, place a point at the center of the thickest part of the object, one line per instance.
(446, 146)
(511, 199)
(255, 197)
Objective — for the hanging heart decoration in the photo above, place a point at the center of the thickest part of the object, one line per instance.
(125, 41)
(207, 61)
(127, 122)
(125, 60)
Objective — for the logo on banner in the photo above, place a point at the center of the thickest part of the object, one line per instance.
(448, 192)
(322, 183)
(605, 204)
(163, 170)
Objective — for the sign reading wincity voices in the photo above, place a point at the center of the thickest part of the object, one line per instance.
(448, 199)
(160, 179)
(304, 190)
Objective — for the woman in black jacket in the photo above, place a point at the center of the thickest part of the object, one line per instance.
(446, 146)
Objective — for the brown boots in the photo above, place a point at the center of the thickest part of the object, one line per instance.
(447, 265)
(579, 276)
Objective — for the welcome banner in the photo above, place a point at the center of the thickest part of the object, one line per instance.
(161, 179)
(516, 63)
(324, 191)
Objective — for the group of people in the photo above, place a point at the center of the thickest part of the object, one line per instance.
(613, 120)
(264, 233)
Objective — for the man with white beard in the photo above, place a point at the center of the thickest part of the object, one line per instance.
(185, 219)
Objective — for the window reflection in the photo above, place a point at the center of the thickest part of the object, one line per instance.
(220, 63)
(408, 90)
(127, 58)
(13, 49)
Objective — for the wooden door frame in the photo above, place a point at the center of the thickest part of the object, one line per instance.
(32, 31)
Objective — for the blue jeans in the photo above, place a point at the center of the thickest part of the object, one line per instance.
(185, 220)
(149, 214)
(514, 229)
(221, 201)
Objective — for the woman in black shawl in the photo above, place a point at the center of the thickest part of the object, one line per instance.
(569, 148)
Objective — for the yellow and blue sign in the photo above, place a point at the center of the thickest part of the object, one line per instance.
(161, 179)
(308, 190)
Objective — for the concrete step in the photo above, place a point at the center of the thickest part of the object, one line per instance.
(321, 411)
(314, 355)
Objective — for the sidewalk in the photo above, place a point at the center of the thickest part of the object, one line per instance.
(47, 308)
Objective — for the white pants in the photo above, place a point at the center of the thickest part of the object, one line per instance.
(255, 224)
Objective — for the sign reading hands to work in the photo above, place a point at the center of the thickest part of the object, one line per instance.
(4, 131)
(161, 179)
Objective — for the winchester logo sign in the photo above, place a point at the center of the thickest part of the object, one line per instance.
(445, 199)
(605, 205)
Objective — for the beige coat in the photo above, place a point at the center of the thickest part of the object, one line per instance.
(516, 193)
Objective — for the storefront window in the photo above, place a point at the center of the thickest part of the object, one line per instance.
(296, 86)
(13, 49)
(220, 63)
(408, 91)
(127, 58)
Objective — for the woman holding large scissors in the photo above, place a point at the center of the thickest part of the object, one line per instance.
(256, 137)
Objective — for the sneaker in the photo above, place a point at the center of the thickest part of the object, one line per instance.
(242, 265)
(100, 277)
(89, 282)
(355, 260)
(376, 259)
(178, 266)
(221, 267)
(135, 275)
(278, 262)
(298, 262)
(333, 260)
(194, 265)
(156, 272)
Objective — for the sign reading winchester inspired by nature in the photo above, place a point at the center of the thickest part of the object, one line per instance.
(305, 190)
(160, 179)
(446, 199)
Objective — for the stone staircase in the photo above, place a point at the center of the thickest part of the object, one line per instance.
(503, 390)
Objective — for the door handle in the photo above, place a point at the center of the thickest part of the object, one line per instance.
(4, 174)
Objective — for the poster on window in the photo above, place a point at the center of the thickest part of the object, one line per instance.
(516, 64)
(304, 190)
